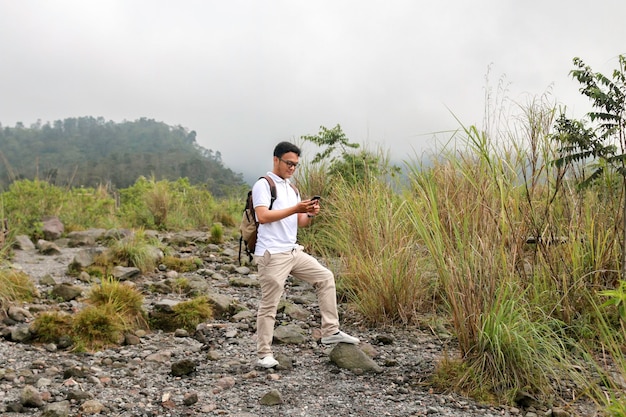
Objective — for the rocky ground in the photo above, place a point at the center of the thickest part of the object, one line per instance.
(138, 379)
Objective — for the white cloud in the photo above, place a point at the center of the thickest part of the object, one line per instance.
(245, 74)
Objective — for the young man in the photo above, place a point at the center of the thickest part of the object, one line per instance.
(277, 254)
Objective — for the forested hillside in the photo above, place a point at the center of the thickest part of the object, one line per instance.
(88, 151)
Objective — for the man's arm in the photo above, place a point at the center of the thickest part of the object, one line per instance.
(265, 215)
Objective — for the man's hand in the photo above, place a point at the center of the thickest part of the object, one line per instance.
(308, 206)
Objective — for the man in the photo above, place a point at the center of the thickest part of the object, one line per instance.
(277, 254)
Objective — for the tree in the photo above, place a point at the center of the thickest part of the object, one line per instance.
(353, 166)
(331, 139)
(604, 143)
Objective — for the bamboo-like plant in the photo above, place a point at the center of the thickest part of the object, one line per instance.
(491, 215)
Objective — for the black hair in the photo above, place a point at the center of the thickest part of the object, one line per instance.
(285, 147)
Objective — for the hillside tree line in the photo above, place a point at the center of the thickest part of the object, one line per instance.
(90, 152)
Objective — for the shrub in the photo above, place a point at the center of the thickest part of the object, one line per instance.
(27, 201)
(166, 205)
(380, 271)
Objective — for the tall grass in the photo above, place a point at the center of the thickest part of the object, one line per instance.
(365, 227)
(509, 239)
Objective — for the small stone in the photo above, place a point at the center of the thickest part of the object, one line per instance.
(271, 398)
(190, 398)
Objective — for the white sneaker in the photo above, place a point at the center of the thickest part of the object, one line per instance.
(340, 337)
(267, 362)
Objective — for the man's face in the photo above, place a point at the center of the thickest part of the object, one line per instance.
(285, 166)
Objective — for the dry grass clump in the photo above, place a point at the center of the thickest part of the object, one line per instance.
(178, 264)
(113, 309)
(15, 286)
(51, 326)
(127, 302)
(185, 315)
(97, 326)
(137, 250)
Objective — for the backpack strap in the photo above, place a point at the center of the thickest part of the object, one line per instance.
(272, 189)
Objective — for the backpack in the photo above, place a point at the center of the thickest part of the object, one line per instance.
(249, 226)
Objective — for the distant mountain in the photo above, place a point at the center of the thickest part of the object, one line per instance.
(88, 151)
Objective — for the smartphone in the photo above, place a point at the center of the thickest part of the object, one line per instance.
(315, 197)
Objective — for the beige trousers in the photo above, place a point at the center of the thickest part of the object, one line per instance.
(273, 272)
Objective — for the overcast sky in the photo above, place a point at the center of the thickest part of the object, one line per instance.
(245, 74)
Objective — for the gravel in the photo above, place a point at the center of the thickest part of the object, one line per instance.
(138, 379)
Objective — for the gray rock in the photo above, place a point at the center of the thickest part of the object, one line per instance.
(77, 239)
(296, 312)
(79, 395)
(197, 285)
(243, 270)
(23, 242)
(52, 228)
(47, 280)
(272, 398)
(223, 305)
(57, 409)
(285, 362)
(350, 357)
(30, 397)
(48, 248)
(559, 412)
(84, 258)
(289, 334)
(131, 339)
(90, 407)
(183, 367)
(66, 291)
(19, 314)
(244, 282)
(190, 398)
(21, 333)
(165, 305)
(243, 315)
(123, 273)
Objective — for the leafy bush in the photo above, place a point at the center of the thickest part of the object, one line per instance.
(166, 205)
(27, 202)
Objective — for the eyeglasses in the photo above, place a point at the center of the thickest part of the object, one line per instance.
(290, 164)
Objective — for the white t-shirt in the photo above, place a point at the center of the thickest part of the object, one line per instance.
(281, 235)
